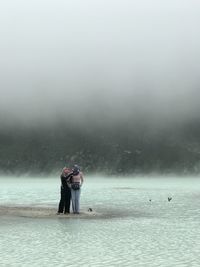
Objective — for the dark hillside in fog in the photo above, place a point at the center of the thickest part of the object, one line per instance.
(111, 85)
(117, 150)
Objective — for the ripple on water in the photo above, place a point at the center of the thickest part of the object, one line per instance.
(139, 232)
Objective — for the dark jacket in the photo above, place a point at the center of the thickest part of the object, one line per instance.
(65, 180)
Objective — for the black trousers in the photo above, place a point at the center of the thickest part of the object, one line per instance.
(65, 199)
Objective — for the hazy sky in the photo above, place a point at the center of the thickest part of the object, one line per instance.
(111, 58)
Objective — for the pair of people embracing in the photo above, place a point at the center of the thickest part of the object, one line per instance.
(71, 182)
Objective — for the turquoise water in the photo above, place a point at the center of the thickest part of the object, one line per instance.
(133, 231)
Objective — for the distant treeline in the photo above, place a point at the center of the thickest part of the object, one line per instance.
(115, 149)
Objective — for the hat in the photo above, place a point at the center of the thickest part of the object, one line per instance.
(76, 169)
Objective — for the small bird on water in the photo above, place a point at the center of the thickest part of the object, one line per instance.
(90, 209)
(169, 198)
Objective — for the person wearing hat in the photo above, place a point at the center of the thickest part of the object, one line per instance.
(65, 192)
(76, 183)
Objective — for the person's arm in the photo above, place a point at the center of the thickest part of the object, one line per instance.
(81, 178)
(69, 176)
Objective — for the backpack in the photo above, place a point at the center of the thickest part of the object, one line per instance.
(75, 186)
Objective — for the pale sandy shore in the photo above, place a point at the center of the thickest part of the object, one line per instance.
(43, 212)
(47, 212)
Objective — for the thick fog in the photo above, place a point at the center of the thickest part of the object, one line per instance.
(99, 60)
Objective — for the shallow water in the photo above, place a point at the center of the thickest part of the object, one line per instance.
(133, 230)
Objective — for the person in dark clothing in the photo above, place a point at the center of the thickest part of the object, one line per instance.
(65, 192)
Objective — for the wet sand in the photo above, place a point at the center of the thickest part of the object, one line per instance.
(42, 212)
(46, 212)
